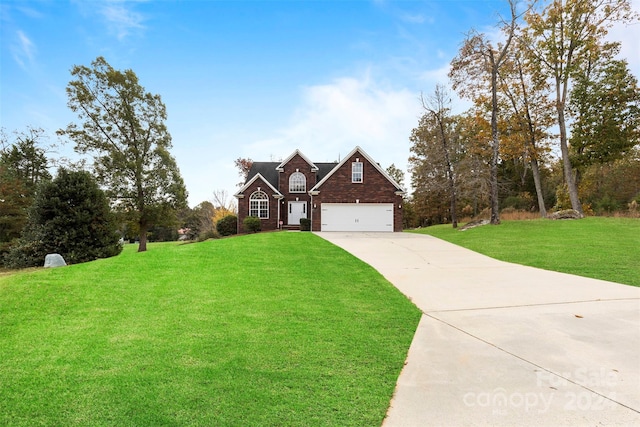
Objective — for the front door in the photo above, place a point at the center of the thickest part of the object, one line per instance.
(297, 210)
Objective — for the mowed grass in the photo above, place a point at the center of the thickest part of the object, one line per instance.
(269, 329)
(597, 247)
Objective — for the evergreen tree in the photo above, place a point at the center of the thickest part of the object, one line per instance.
(23, 165)
(70, 216)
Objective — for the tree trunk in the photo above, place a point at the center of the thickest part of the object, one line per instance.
(452, 189)
(566, 162)
(495, 208)
(538, 183)
(142, 247)
(450, 177)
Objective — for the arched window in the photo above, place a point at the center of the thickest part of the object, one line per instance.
(259, 205)
(297, 183)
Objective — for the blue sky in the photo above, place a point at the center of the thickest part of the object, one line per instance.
(254, 79)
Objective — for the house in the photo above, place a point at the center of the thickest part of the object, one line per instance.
(355, 194)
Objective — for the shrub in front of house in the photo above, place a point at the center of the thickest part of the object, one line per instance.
(305, 224)
(209, 234)
(227, 225)
(252, 224)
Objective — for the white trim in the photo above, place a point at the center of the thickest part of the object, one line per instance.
(354, 172)
(260, 202)
(305, 210)
(316, 188)
(240, 195)
(280, 167)
(304, 182)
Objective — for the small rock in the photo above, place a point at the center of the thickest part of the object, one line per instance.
(54, 260)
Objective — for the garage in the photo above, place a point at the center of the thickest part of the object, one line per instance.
(357, 217)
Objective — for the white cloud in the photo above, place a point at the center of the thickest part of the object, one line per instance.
(334, 118)
(414, 18)
(121, 20)
(23, 50)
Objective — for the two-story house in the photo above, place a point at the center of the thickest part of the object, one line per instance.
(355, 194)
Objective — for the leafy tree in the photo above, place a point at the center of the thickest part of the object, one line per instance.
(531, 114)
(123, 127)
(396, 174)
(70, 216)
(23, 165)
(244, 166)
(605, 102)
(560, 41)
(199, 221)
(26, 158)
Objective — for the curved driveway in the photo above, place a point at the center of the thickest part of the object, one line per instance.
(504, 344)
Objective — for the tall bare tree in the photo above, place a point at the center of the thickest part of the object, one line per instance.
(479, 61)
(437, 107)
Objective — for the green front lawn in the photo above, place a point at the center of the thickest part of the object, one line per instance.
(597, 247)
(265, 329)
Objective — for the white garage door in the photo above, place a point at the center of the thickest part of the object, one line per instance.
(357, 217)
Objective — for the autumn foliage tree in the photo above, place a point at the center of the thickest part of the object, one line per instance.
(561, 39)
(531, 116)
(244, 166)
(478, 62)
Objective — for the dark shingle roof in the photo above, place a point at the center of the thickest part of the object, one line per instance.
(269, 172)
(324, 169)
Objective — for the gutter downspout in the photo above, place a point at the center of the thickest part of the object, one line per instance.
(279, 200)
(311, 214)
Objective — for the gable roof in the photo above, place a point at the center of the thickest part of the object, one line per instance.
(369, 159)
(267, 170)
(324, 169)
(257, 176)
(280, 167)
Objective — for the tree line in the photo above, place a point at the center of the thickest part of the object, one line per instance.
(552, 84)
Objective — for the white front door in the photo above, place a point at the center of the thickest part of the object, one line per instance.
(297, 210)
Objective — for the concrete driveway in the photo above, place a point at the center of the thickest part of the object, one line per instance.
(504, 344)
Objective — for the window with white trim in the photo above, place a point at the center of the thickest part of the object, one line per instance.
(297, 183)
(356, 171)
(259, 205)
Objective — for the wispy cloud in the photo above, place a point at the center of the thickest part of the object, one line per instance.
(417, 18)
(23, 50)
(121, 19)
(335, 117)
(29, 11)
